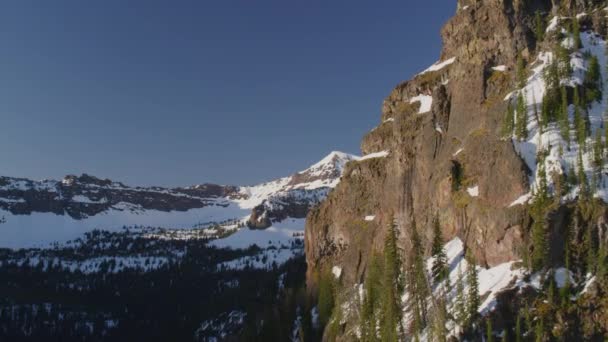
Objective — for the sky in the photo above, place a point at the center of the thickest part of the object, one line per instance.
(175, 93)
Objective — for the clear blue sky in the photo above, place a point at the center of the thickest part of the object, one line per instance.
(184, 92)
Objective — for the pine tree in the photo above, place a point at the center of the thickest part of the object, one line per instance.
(489, 331)
(602, 265)
(572, 177)
(539, 242)
(460, 310)
(579, 121)
(563, 60)
(521, 72)
(440, 269)
(538, 210)
(371, 308)
(419, 290)
(598, 154)
(538, 332)
(473, 299)
(564, 121)
(576, 33)
(391, 312)
(522, 118)
(509, 121)
(582, 177)
(439, 318)
(326, 297)
(590, 251)
(539, 29)
(593, 81)
(551, 290)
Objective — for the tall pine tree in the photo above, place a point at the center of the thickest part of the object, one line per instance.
(473, 299)
(440, 269)
(371, 308)
(460, 303)
(391, 315)
(418, 284)
(521, 124)
(509, 121)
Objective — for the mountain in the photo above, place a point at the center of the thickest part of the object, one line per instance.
(39, 212)
(501, 143)
(90, 259)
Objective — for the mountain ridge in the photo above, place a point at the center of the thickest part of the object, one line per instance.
(88, 198)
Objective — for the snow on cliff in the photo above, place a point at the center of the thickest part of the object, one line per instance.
(560, 159)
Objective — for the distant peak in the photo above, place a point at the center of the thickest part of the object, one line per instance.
(335, 157)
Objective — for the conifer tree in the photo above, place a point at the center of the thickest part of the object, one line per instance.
(539, 29)
(522, 118)
(521, 72)
(539, 331)
(602, 266)
(391, 313)
(572, 177)
(564, 121)
(551, 290)
(582, 177)
(326, 297)
(371, 308)
(439, 318)
(489, 331)
(563, 60)
(579, 121)
(590, 251)
(440, 262)
(473, 299)
(576, 33)
(509, 121)
(460, 310)
(539, 243)
(538, 210)
(419, 290)
(598, 154)
(593, 81)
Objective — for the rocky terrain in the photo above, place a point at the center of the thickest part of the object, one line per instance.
(440, 153)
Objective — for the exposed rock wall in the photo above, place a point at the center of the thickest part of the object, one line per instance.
(450, 161)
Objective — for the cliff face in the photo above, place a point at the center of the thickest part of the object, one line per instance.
(445, 154)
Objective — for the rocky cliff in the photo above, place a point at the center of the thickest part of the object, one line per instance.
(439, 151)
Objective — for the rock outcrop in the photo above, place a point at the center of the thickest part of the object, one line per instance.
(446, 155)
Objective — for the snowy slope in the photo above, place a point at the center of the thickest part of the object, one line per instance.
(550, 139)
(36, 229)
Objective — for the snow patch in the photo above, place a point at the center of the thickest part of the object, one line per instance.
(523, 199)
(337, 271)
(457, 152)
(426, 102)
(381, 154)
(439, 65)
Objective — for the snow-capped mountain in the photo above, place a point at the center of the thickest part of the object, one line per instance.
(36, 213)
